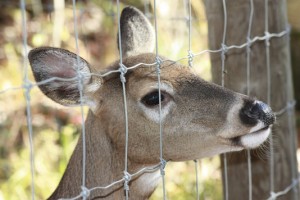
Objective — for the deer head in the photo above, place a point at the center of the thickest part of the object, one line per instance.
(199, 118)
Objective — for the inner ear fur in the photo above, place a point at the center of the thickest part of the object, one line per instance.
(64, 70)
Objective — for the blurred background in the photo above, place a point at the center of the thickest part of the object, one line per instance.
(56, 128)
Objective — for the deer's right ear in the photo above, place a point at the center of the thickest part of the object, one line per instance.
(56, 71)
(137, 34)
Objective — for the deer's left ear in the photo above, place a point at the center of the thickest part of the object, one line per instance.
(137, 34)
(59, 69)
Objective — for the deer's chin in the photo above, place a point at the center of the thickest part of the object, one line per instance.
(253, 139)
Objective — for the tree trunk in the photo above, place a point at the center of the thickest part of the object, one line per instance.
(293, 16)
(281, 92)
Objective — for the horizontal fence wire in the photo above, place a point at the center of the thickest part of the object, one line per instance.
(231, 47)
(118, 182)
(29, 85)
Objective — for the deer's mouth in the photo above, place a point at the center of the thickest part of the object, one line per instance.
(253, 139)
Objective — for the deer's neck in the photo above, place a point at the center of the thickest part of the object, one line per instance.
(104, 165)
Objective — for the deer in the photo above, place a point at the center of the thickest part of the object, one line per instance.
(199, 118)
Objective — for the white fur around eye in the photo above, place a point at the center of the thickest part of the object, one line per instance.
(164, 87)
(153, 113)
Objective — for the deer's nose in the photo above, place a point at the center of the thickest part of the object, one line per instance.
(256, 111)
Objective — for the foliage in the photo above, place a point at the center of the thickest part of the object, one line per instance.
(50, 161)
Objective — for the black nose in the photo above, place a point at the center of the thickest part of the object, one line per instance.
(255, 111)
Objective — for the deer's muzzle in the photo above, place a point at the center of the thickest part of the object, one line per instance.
(260, 117)
(254, 112)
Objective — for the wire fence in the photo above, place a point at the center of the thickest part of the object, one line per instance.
(28, 85)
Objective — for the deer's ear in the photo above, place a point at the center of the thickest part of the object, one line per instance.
(56, 71)
(137, 34)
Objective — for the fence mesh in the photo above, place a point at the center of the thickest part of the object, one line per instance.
(28, 85)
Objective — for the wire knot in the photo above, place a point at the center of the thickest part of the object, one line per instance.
(158, 61)
(127, 178)
(123, 70)
(249, 44)
(273, 195)
(85, 192)
(158, 70)
(163, 164)
(290, 106)
(190, 58)
(224, 48)
(288, 29)
(28, 86)
(268, 37)
(224, 51)
(295, 182)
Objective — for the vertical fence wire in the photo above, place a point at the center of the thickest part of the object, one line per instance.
(224, 50)
(267, 47)
(158, 63)
(80, 78)
(197, 179)
(290, 112)
(123, 70)
(190, 63)
(292, 149)
(248, 92)
(190, 54)
(119, 32)
(189, 7)
(27, 86)
(146, 8)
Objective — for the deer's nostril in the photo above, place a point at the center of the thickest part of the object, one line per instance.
(256, 111)
(267, 117)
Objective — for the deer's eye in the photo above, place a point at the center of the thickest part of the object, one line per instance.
(152, 99)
